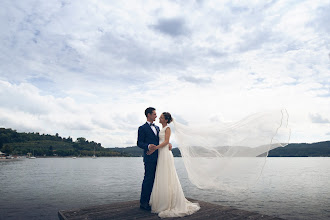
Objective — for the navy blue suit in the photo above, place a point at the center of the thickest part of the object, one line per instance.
(146, 136)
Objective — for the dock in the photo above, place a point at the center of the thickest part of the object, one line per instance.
(131, 210)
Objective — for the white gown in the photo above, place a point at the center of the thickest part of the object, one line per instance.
(167, 198)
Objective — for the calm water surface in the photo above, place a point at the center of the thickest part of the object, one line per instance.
(291, 188)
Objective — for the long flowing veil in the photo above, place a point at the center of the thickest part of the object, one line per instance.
(231, 156)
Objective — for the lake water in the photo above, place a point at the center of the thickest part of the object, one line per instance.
(290, 188)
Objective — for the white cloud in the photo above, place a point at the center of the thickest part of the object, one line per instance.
(317, 118)
(84, 68)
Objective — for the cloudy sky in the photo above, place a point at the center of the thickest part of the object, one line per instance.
(89, 68)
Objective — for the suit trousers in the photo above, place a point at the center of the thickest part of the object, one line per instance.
(148, 181)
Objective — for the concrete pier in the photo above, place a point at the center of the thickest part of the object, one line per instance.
(131, 210)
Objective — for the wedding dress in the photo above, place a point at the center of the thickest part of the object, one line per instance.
(167, 198)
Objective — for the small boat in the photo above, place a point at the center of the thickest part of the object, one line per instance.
(94, 157)
(2, 155)
(33, 157)
(74, 157)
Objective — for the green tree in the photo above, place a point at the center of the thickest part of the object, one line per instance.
(81, 140)
(7, 149)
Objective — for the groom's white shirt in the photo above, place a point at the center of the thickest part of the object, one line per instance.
(153, 129)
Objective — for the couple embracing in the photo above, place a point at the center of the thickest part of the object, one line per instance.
(161, 189)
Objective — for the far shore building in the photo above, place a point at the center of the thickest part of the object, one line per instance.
(2, 155)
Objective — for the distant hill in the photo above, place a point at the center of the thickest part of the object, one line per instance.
(318, 149)
(21, 143)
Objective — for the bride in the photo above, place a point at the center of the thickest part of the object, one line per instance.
(167, 198)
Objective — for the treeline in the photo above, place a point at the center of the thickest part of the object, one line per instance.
(21, 143)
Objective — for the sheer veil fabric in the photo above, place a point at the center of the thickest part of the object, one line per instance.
(231, 156)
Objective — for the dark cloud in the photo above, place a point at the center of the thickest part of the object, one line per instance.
(172, 26)
(195, 80)
(317, 118)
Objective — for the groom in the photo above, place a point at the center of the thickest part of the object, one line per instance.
(148, 139)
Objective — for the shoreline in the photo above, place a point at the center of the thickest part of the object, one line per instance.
(23, 157)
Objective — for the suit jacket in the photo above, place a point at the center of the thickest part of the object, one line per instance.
(146, 136)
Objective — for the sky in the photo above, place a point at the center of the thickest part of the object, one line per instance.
(87, 68)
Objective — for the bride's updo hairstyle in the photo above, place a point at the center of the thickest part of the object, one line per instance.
(167, 117)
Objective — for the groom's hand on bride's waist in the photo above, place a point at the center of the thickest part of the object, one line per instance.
(170, 146)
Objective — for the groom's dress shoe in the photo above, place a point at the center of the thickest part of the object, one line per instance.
(145, 207)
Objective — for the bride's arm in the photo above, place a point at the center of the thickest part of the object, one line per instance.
(167, 138)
